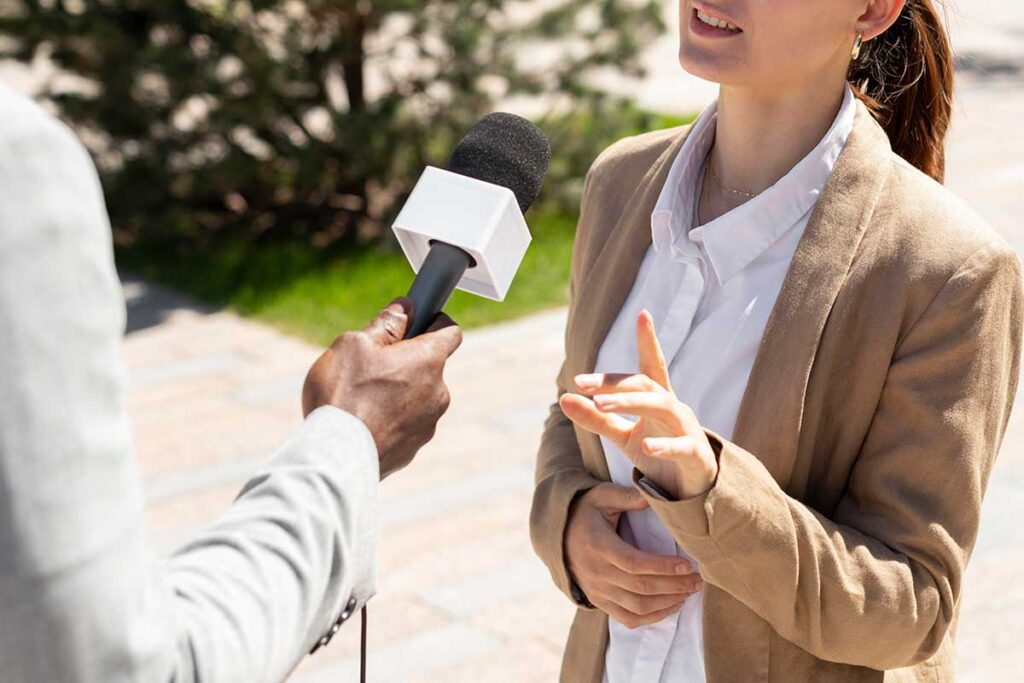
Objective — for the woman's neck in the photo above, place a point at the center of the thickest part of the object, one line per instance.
(760, 136)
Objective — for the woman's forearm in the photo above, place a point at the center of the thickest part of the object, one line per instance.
(877, 581)
(838, 593)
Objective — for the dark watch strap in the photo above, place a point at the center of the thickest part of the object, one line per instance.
(578, 595)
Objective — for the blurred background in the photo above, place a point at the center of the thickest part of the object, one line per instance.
(253, 154)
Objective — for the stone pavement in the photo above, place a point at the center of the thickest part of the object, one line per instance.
(462, 596)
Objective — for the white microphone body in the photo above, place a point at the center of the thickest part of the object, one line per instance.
(459, 233)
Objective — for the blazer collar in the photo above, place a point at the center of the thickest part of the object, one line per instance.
(771, 410)
(607, 283)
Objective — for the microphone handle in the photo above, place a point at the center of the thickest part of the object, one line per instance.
(434, 284)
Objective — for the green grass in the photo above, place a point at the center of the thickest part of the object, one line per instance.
(302, 291)
(317, 295)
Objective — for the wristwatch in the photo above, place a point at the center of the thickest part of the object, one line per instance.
(578, 595)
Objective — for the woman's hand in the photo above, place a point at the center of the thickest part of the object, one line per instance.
(633, 587)
(668, 443)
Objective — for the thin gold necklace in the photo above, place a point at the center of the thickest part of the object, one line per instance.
(704, 204)
(718, 181)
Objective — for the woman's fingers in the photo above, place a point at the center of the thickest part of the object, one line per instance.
(656, 584)
(652, 360)
(632, 620)
(661, 407)
(613, 500)
(681, 448)
(583, 412)
(631, 560)
(614, 383)
(642, 605)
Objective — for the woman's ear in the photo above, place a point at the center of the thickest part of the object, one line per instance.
(879, 16)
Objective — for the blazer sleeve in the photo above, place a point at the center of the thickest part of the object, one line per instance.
(81, 598)
(560, 475)
(877, 583)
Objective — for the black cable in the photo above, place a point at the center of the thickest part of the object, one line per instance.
(362, 647)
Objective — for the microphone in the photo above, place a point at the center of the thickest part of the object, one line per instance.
(463, 227)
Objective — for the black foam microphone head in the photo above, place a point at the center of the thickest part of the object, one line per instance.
(507, 150)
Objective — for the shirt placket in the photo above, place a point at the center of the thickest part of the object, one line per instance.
(673, 330)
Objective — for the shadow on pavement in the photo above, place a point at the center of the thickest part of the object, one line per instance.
(150, 305)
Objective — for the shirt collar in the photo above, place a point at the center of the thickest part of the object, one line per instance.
(733, 240)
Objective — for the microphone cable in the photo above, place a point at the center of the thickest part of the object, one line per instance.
(362, 644)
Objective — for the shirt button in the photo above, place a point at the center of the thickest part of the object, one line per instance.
(349, 609)
(319, 644)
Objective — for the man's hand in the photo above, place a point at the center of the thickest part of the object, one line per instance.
(395, 387)
(633, 587)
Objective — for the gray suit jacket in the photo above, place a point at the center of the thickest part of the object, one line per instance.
(80, 597)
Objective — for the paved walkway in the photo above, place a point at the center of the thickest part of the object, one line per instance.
(463, 598)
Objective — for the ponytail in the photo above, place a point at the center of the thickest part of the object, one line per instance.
(905, 77)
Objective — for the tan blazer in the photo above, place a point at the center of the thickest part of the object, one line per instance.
(834, 542)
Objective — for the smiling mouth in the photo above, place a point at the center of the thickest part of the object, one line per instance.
(715, 22)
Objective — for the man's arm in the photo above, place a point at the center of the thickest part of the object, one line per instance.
(81, 598)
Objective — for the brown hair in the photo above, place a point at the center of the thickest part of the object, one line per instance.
(905, 77)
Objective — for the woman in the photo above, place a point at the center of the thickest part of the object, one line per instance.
(837, 351)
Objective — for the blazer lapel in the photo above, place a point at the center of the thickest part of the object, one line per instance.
(771, 411)
(608, 281)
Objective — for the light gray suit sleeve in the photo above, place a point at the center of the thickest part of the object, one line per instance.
(80, 597)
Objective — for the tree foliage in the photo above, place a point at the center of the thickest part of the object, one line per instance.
(312, 118)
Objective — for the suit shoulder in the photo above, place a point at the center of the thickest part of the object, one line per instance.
(48, 183)
(30, 130)
(935, 225)
(635, 154)
(620, 169)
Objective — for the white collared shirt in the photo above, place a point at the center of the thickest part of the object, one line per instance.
(710, 290)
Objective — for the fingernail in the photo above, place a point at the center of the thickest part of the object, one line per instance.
(588, 381)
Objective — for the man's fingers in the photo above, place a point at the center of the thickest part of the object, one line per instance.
(652, 360)
(583, 412)
(614, 383)
(634, 561)
(390, 324)
(440, 322)
(443, 337)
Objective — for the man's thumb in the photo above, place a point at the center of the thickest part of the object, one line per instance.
(388, 326)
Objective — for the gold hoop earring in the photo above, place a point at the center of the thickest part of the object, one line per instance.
(857, 43)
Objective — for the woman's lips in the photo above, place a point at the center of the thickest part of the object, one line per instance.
(699, 24)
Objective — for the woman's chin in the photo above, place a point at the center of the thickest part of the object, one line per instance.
(708, 67)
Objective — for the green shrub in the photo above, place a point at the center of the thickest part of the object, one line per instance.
(213, 120)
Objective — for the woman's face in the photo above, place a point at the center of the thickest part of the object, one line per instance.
(775, 43)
